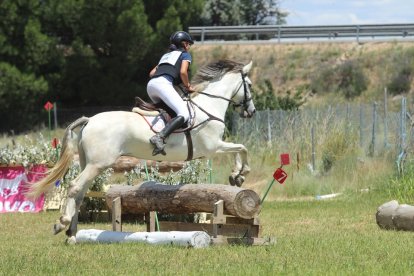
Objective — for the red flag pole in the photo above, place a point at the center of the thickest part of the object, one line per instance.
(49, 106)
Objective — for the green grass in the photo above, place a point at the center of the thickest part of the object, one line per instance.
(332, 237)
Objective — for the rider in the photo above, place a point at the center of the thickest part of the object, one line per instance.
(172, 69)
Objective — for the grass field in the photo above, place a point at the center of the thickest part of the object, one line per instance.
(332, 237)
(329, 237)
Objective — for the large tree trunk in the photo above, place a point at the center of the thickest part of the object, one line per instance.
(184, 199)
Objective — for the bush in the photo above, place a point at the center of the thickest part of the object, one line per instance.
(348, 78)
(352, 80)
(401, 82)
(265, 98)
(322, 80)
(338, 144)
(401, 187)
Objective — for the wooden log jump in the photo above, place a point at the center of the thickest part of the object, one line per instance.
(184, 199)
(127, 163)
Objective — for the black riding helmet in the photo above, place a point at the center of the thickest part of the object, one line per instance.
(177, 37)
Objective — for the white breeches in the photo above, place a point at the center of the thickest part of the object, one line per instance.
(160, 89)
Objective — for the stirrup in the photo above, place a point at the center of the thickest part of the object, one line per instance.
(158, 144)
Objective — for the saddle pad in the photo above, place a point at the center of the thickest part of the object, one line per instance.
(145, 112)
(152, 117)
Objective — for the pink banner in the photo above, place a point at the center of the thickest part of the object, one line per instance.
(13, 184)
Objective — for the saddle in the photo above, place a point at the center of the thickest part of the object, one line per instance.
(153, 109)
(166, 113)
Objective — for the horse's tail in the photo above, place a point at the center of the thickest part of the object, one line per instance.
(62, 165)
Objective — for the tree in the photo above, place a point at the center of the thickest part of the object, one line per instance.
(219, 12)
(83, 52)
(243, 12)
(26, 54)
(262, 12)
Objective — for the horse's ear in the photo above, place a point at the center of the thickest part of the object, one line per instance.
(247, 67)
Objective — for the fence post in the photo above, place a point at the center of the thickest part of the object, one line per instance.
(55, 114)
(313, 147)
(278, 33)
(402, 123)
(280, 122)
(202, 35)
(347, 119)
(401, 155)
(374, 122)
(269, 128)
(357, 38)
(385, 118)
(361, 126)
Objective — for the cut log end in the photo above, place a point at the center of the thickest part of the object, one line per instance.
(247, 204)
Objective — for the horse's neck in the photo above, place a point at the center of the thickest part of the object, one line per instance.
(215, 106)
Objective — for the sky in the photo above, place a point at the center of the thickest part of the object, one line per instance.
(347, 12)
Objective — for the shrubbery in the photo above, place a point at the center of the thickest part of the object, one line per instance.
(264, 98)
(347, 78)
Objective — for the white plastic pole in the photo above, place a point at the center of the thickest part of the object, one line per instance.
(196, 239)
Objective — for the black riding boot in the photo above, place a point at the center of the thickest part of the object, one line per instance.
(158, 140)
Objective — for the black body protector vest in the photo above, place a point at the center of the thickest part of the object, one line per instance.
(170, 64)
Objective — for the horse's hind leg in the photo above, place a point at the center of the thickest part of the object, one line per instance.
(240, 170)
(76, 192)
(241, 166)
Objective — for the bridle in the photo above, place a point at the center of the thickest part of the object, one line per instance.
(244, 103)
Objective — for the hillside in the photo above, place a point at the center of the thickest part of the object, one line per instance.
(324, 72)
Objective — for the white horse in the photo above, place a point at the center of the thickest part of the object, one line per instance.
(106, 136)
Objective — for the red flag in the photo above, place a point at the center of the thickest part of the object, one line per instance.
(285, 159)
(55, 142)
(280, 175)
(48, 106)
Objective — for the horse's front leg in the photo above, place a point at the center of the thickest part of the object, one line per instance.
(241, 166)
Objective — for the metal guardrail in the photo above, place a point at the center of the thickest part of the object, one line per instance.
(280, 32)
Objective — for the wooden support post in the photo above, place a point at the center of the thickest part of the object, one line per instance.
(150, 221)
(218, 217)
(117, 215)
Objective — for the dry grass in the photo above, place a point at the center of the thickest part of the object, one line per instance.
(291, 66)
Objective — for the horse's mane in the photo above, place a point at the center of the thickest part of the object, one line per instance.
(214, 71)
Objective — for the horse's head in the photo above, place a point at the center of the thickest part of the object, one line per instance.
(242, 99)
(227, 80)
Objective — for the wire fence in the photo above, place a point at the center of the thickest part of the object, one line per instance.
(370, 126)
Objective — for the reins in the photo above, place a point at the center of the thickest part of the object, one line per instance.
(211, 116)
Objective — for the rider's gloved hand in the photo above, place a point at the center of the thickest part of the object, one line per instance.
(190, 89)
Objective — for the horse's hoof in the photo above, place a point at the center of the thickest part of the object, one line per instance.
(157, 151)
(71, 240)
(58, 227)
(239, 180)
(232, 180)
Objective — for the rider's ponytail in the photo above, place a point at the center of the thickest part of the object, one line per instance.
(173, 47)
